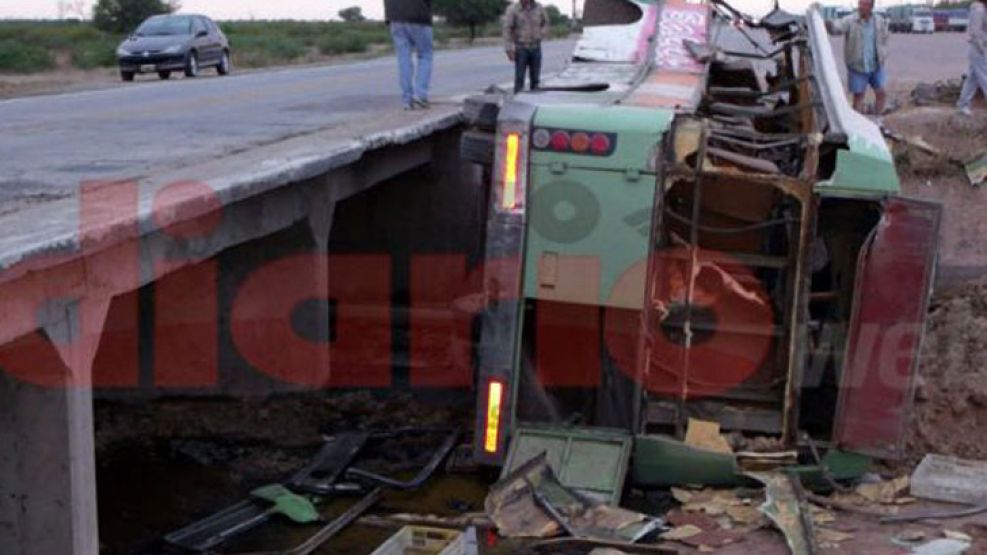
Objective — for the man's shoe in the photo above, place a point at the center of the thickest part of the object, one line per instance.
(965, 111)
(423, 104)
(409, 107)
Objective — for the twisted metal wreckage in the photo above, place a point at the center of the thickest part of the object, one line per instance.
(689, 230)
(699, 228)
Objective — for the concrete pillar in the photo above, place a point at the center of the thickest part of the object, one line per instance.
(47, 454)
(323, 210)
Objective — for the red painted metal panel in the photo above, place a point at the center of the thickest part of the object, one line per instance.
(891, 298)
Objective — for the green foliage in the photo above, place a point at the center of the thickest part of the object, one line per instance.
(555, 16)
(18, 57)
(264, 43)
(261, 51)
(93, 53)
(470, 13)
(351, 14)
(28, 46)
(343, 43)
(123, 16)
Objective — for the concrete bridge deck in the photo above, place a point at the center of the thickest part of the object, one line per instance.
(102, 193)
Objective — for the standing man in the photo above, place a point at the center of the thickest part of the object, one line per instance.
(866, 53)
(976, 77)
(525, 26)
(410, 22)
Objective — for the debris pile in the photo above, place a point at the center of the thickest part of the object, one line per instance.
(939, 92)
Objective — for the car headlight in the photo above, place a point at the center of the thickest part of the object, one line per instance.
(173, 49)
(121, 51)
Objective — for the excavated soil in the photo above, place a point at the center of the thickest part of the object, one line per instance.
(950, 414)
(963, 250)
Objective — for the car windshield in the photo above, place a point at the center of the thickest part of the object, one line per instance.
(161, 26)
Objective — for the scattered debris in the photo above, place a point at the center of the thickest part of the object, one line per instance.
(420, 540)
(706, 435)
(288, 503)
(940, 92)
(950, 479)
(786, 507)
(331, 529)
(591, 462)
(884, 492)
(423, 475)
(942, 547)
(606, 551)
(531, 503)
(976, 169)
(563, 545)
(320, 474)
(849, 504)
(914, 142)
(712, 532)
(246, 515)
(827, 537)
(954, 535)
(467, 520)
(682, 532)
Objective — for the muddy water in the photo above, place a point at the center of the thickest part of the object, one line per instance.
(144, 491)
(148, 490)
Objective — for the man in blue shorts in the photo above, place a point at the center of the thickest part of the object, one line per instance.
(866, 52)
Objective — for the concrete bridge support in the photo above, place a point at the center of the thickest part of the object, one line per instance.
(53, 318)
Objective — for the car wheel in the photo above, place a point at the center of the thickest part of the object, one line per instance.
(224, 66)
(192, 65)
(127, 75)
(164, 74)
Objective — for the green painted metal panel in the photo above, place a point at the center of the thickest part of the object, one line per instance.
(861, 174)
(665, 461)
(591, 461)
(596, 208)
(600, 217)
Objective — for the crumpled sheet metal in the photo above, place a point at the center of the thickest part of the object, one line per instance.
(976, 170)
(517, 506)
(786, 507)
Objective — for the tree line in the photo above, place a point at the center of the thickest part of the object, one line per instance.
(123, 16)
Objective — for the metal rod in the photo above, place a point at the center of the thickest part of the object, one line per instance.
(691, 289)
(329, 530)
(423, 475)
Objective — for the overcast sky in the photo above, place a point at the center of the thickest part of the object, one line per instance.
(319, 9)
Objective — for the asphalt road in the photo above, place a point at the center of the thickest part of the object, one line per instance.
(50, 144)
(916, 58)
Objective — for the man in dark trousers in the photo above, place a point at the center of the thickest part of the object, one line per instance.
(526, 24)
(410, 22)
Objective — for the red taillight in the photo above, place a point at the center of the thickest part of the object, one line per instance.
(495, 400)
(600, 144)
(511, 170)
(571, 141)
(560, 141)
(580, 142)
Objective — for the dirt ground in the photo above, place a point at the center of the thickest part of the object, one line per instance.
(950, 414)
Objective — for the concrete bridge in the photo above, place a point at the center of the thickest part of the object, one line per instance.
(160, 239)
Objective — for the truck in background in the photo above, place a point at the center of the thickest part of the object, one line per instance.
(911, 19)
